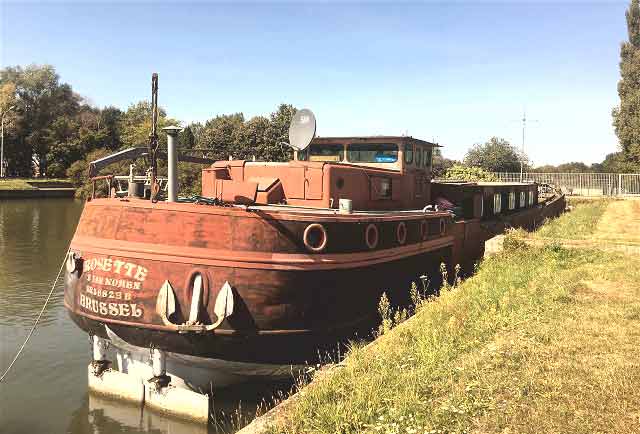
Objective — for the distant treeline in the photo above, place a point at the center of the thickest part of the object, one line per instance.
(51, 130)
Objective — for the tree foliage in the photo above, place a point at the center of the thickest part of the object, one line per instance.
(51, 129)
(626, 117)
(459, 172)
(51, 125)
(495, 155)
(441, 163)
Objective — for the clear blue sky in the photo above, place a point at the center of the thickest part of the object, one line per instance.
(454, 72)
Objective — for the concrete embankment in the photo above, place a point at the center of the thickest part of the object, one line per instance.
(37, 193)
(26, 188)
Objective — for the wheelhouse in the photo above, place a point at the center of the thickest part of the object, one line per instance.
(383, 152)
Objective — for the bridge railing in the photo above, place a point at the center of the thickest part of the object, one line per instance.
(582, 184)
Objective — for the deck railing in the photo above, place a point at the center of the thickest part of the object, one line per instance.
(582, 184)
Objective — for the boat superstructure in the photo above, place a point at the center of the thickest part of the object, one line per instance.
(276, 262)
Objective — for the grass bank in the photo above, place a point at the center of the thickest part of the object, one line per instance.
(542, 339)
(579, 224)
(33, 183)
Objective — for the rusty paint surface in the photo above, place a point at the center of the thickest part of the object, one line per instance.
(288, 300)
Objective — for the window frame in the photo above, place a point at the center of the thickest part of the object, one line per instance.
(349, 160)
(409, 149)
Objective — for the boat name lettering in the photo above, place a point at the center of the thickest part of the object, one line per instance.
(104, 293)
(111, 309)
(111, 281)
(129, 269)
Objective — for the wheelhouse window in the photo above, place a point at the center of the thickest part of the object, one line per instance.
(428, 155)
(322, 153)
(530, 198)
(523, 199)
(418, 156)
(372, 153)
(408, 153)
(497, 203)
(512, 200)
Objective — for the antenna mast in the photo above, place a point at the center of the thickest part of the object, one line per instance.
(153, 136)
(522, 154)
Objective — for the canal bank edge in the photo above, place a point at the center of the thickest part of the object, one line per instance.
(20, 188)
(40, 193)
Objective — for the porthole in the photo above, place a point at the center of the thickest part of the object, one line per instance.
(424, 229)
(371, 236)
(401, 233)
(315, 237)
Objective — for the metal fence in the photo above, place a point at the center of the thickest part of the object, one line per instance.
(583, 184)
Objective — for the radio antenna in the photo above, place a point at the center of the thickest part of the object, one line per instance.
(153, 136)
(524, 121)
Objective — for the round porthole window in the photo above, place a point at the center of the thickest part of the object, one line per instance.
(401, 233)
(424, 229)
(315, 237)
(371, 236)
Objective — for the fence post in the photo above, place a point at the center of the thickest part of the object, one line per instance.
(619, 184)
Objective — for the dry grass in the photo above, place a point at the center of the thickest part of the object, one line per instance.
(620, 223)
(578, 224)
(540, 340)
(30, 183)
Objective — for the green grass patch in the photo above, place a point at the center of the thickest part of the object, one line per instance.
(540, 340)
(580, 223)
(33, 183)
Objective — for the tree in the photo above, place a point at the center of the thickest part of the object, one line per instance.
(617, 163)
(110, 119)
(496, 155)
(459, 172)
(40, 100)
(218, 134)
(278, 132)
(441, 164)
(626, 117)
(135, 125)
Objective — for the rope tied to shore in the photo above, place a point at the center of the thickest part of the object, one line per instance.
(35, 324)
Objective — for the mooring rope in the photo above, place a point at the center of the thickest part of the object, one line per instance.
(35, 324)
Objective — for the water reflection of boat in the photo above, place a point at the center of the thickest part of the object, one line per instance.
(105, 415)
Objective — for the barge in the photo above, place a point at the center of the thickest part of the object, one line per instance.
(275, 263)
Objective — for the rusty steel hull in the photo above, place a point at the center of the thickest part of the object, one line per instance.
(291, 306)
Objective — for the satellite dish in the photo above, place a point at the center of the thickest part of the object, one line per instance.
(302, 129)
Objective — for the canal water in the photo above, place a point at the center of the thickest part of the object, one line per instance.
(46, 390)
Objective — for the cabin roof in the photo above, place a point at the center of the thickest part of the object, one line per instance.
(374, 139)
